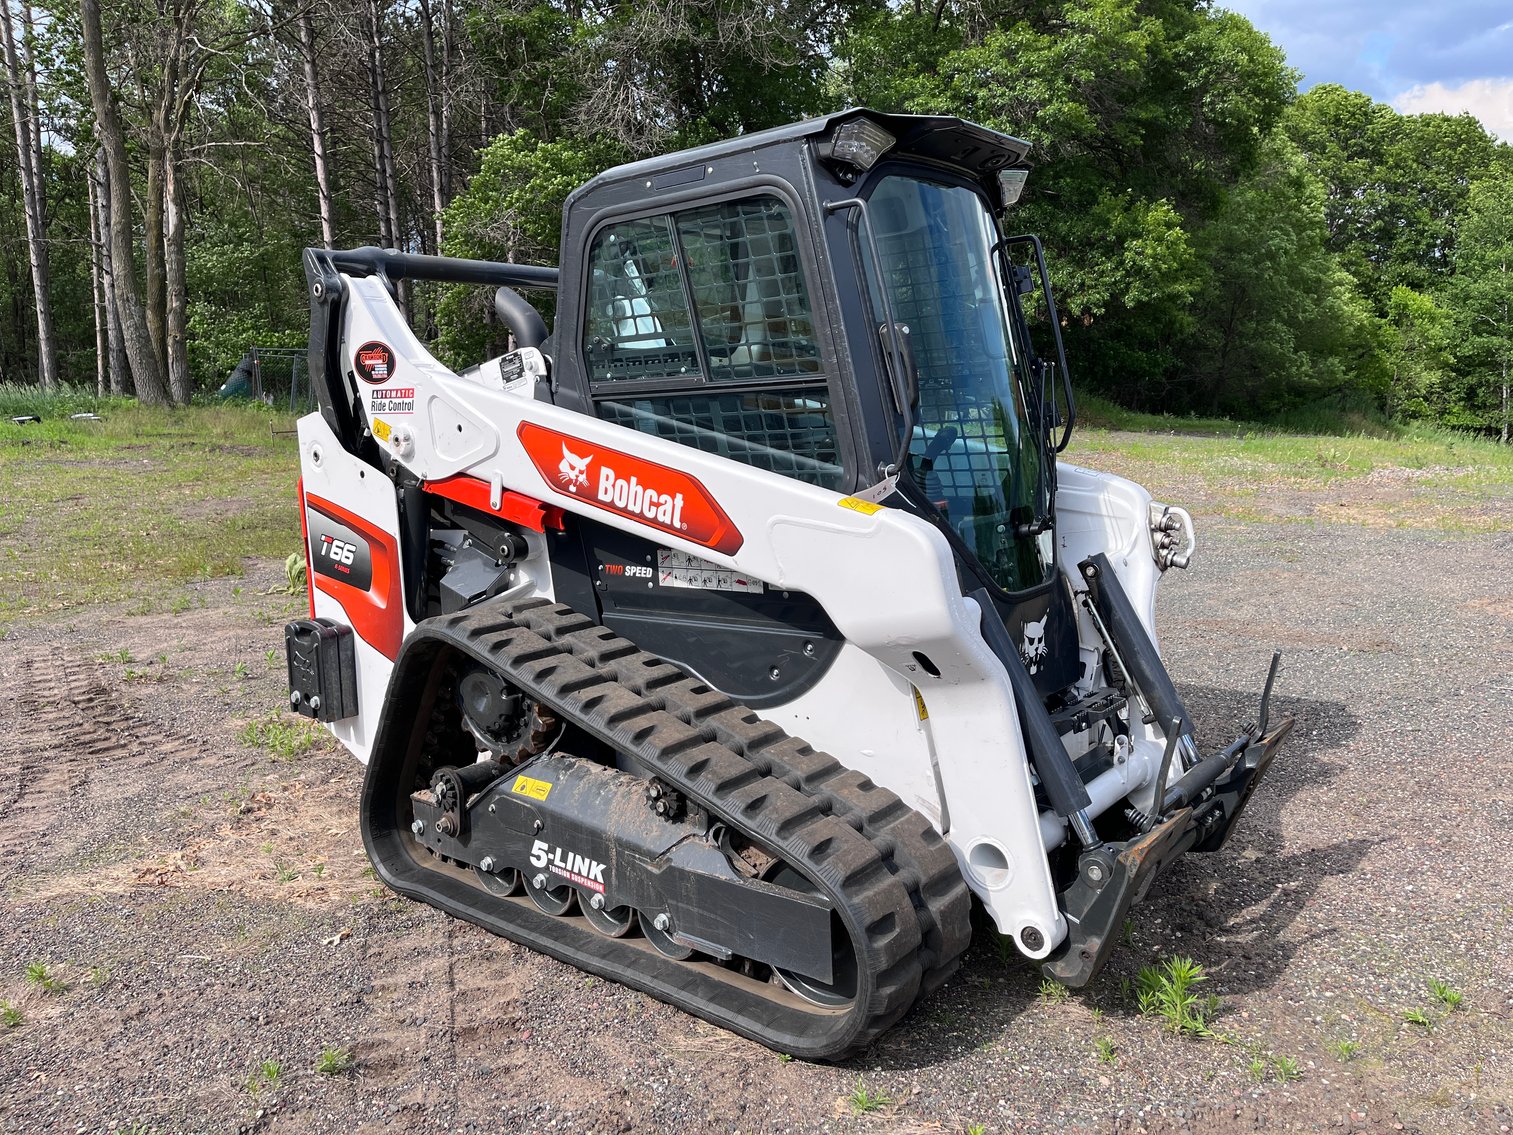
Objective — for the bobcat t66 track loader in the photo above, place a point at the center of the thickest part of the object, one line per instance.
(729, 637)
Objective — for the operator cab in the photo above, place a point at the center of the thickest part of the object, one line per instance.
(836, 302)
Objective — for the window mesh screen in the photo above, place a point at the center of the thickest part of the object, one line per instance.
(789, 433)
(955, 355)
(741, 268)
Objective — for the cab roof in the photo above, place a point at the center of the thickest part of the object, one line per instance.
(941, 138)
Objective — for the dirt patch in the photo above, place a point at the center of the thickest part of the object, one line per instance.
(204, 911)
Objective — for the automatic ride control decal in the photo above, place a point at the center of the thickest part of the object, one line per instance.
(393, 400)
(655, 495)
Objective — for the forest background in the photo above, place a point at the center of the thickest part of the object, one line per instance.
(1221, 245)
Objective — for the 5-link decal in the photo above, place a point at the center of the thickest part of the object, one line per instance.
(569, 865)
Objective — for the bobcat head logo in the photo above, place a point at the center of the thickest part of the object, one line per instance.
(574, 469)
(1032, 649)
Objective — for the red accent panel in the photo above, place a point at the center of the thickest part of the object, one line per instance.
(514, 507)
(648, 493)
(304, 531)
(377, 614)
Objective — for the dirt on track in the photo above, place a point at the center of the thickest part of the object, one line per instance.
(203, 906)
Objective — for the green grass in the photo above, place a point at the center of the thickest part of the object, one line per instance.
(864, 1102)
(285, 735)
(1167, 990)
(10, 1016)
(1233, 466)
(1107, 1052)
(1446, 994)
(1052, 992)
(1344, 1049)
(37, 974)
(1418, 1017)
(264, 1075)
(335, 1061)
(136, 505)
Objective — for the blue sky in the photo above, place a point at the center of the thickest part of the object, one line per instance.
(1451, 56)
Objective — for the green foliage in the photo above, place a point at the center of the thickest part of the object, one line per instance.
(1284, 322)
(512, 211)
(297, 573)
(864, 1101)
(265, 1074)
(1166, 990)
(1395, 184)
(1417, 335)
(334, 1061)
(1107, 1052)
(1481, 298)
(1052, 992)
(1344, 1049)
(10, 1016)
(1446, 994)
(38, 974)
(1220, 244)
(284, 735)
(1285, 1067)
(1418, 1017)
(1141, 115)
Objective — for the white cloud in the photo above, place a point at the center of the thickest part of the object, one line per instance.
(1490, 100)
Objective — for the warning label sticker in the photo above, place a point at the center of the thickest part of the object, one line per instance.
(382, 430)
(680, 569)
(856, 504)
(535, 789)
(394, 400)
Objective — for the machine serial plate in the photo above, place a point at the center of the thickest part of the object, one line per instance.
(679, 569)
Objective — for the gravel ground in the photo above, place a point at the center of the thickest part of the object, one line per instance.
(203, 906)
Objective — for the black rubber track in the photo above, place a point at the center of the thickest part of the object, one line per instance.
(880, 863)
(922, 860)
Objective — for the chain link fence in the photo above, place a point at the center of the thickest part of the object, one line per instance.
(279, 376)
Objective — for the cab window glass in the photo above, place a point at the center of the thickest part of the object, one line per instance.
(710, 294)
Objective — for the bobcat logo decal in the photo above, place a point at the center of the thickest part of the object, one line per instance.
(574, 469)
(1032, 649)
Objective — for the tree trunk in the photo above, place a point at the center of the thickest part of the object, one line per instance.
(117, 368)
(153, 274)
(383, 143)
(97, 300)
(23, 100)
(145, 371)
(176, 314)
(380, 125)
(447, 62)
(317, 125)
(434, 99)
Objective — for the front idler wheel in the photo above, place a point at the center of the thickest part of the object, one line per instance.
(840, 991)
